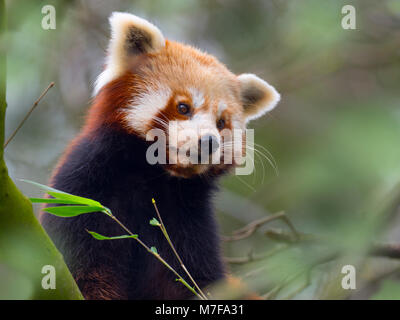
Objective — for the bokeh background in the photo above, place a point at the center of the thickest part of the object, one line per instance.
(334, 136)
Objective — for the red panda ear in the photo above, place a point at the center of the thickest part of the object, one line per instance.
(130, 36)
(257, 96)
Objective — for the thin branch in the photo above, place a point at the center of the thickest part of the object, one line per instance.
(307, 270)
(291, 226)
(272, 293)
(386, 250)
(35, 104)
(164, 230)
(253, 226)
(287, 237)
(250, 257)
(301, 288)
(180, 278)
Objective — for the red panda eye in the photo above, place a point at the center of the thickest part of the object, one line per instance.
(183, 108)
(220, 124)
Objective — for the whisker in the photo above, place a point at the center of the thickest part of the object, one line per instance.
(246, 184)
(164, 115)
(267, 156)
(161, 122)
(229, 144)
(267, 151)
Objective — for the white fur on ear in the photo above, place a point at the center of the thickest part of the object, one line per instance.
(258, 97)
(130, 36)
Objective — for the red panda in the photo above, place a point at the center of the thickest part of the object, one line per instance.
(148, 83)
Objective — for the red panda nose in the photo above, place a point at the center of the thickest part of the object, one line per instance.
(208, 142)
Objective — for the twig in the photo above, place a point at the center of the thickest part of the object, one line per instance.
(385, 250)
(252, 257)
(325, 259)
(180, 278)
(304, 286)
(291, 226)
(287, 237)
(253, 226)
(164, 231)
(272, 293)
(35, 104)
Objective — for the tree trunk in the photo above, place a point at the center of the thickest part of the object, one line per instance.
(25, 248)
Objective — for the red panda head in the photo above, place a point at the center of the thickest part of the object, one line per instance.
(152, 85)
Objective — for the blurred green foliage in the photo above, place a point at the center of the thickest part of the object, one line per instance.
(334, 135)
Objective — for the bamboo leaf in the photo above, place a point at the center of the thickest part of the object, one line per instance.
(72, 211)
(80, 200)
(41, 186)
(154, 249)
(154, 222)
(101, 237)
(58, 194)
(51, 200)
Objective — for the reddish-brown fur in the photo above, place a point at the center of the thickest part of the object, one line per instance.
(106, 162)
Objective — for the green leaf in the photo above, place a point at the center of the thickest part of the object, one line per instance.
(71, 211)
(41, 186)
(186, 285)
(101, 237)
(58, 194)
(154, 249)
(50, 200)
(71, 197)
(154, 222)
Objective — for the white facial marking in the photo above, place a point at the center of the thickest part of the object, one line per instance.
(203, 120)
(238, 124)
(145, 107)
(197, 97)
(200, 124)
(221, 107)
